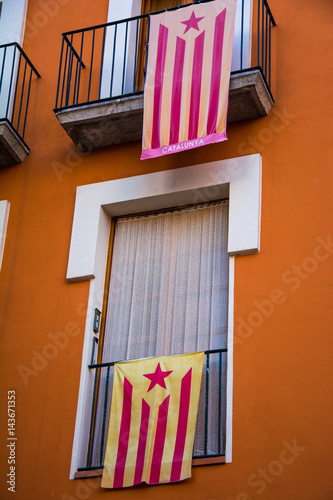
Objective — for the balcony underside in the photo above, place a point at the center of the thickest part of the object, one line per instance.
(117, 121)
(12, 149)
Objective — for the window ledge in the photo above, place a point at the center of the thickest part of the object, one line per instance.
(84, 474)
(12, 149)
(117, 121)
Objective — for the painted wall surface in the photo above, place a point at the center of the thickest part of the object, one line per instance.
(282, 431)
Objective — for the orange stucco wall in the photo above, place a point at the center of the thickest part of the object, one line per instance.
(282, 430)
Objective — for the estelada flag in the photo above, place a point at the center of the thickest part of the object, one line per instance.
(187, 80)
(152, 420)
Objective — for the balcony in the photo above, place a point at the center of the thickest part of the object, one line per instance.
(210, 436)
(99, 98)
(16, 72)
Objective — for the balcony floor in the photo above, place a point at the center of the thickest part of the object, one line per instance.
(12, 149)
(117, 121)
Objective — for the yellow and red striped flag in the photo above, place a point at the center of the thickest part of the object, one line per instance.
(152, 421)
(187, 81)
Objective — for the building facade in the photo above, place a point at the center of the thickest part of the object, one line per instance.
(88, 231)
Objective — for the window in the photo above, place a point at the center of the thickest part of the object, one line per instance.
(148, 6)
(239, 179)
(131, 8)
(168, 294)
(125, 54)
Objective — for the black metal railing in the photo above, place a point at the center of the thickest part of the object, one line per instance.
(210, 430)
(261, 40)
(16, 71)
(265, 21)
(105, 62)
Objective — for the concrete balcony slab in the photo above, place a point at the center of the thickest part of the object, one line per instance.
(103, 124)
(12, 149)
(117, 121)
(249, 96)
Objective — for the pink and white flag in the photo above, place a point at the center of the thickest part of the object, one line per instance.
(187, 81)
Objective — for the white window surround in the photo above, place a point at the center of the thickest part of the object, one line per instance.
(12, 21)
(237, 178)
(4, 214)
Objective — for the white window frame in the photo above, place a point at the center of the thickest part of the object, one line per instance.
(4, 214)
(12, 21)
(239, 179)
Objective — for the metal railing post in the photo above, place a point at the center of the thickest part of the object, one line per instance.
(242, 36)
(26, 108)
(59, 75)
(91, 431)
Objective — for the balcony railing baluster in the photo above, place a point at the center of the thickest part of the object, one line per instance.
(242, 37)
(22, 92)
(91, 63)
(92, 419)
(26, 108)
(136, 50)
(63, 79)
(124, 59)
(113, 57)
(16, 86)
(102, 63)
(10, 85)
(220, 404)
(3, 67)
(76, 79)
(269, 50)
(262, 33)
(104, 413)
(69, 71)
(206, 403)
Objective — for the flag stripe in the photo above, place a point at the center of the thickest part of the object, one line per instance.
(216, 73)
(184, 406)
(196, 86)
(140, 459)
(158, 83)
(125, 425)
(159, 441)
(177, 90)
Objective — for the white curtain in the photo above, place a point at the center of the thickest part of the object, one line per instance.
(169, 295)
(169, 284)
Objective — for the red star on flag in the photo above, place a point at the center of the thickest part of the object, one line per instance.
(192, 23)
(157, 377)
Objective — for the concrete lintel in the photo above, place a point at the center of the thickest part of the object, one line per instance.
(119, 121)
(12, 148)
